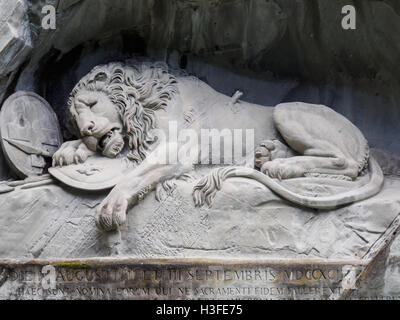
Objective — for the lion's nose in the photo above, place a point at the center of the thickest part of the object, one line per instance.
(87, 129)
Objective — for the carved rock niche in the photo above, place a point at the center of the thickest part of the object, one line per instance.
(164, 151)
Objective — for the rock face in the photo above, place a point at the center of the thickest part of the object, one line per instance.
(279, 50)
(246, 221)
(15, 40)
(285, 37)
(274, 51)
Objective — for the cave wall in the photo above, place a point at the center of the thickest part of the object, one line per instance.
(273, 50)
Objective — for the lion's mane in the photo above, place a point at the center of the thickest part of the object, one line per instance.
(137, 90)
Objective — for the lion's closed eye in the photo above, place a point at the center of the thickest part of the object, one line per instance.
(90, 102)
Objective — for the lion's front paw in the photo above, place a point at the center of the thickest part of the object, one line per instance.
(64, 156)
(70, 154)
(269, 150)
(281, 169)
(111, 214)
(81, 155)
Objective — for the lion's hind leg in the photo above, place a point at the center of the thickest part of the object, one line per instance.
(301, 166)
(321, 137)
(323, 158)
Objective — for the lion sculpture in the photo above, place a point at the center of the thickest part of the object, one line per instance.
(121, 106)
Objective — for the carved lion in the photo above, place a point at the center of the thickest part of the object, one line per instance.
(122, 106)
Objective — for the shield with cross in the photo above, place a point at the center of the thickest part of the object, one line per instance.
(30, 133)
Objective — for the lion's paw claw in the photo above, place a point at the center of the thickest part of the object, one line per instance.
(269, 150)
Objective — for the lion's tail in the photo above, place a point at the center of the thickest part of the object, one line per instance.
(206, 189)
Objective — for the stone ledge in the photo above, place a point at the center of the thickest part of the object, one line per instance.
(176, 279)
(59, 223)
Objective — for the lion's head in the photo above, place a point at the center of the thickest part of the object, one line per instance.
(116, 102)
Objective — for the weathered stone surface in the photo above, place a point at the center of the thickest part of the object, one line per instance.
(381, 282)
(253, 34)
(15, 41)
(392, 270)
(276, 42)
(15, 38)
(176, 279)
(390, 164)
(246, 221)
(270, 50)
(65, 4)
